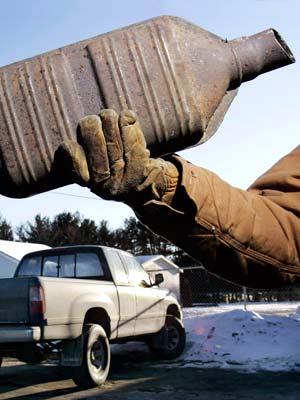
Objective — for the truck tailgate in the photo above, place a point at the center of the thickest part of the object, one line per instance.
(14, 294)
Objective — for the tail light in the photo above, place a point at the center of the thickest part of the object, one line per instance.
(37, 303)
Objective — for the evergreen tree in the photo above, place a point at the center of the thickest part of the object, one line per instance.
(38, 231)
(136, 238)
(71, 229)
(87, 232)
(6, 231)
(182, 259)
(65, 229)
(105, 236)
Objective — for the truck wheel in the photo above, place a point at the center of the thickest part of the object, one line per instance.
(95, 364)
(173, 339)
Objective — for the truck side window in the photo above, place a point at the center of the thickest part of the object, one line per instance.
(67, 266)
(117, 268)
(88, 264)
(50, 266)
(136, 272)
(30, 267)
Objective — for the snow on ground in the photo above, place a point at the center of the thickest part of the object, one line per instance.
(249, 340)
(242, 339)
(283, 308)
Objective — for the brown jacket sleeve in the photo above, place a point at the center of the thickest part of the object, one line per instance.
(248, 237)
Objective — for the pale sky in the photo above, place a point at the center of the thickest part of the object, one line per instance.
(261, 126)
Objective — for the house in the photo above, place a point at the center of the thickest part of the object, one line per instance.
(155, 264)
(12, 252)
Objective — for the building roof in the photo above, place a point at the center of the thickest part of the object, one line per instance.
(17, 250)
(148, 260)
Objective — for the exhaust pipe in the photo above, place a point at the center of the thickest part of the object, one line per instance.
(258, 54)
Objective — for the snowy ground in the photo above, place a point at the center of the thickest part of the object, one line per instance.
(249, 340)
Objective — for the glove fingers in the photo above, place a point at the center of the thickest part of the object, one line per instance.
(132, 136)
(93, 141)
(110, 127)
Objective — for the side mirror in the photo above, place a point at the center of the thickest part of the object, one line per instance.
(159, 278)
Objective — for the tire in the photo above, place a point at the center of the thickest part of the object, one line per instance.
(1, 360)
(95, 364)
(173, 334)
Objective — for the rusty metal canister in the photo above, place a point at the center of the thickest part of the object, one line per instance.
(179, 78)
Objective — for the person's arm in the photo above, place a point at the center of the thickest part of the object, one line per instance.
(244, 236)
(248, 237)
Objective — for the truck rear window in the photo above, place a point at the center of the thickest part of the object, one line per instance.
(30, 267)
(80, 265)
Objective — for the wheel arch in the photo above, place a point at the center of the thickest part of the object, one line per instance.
(174, 310)
(98, 315)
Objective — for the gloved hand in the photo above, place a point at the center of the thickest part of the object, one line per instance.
(112, 159)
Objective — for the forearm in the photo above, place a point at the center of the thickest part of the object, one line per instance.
(242, 236)
(248, 237)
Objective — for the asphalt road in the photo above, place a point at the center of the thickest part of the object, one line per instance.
(136, 379)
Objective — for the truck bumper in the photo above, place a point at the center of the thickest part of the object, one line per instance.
(13, 334)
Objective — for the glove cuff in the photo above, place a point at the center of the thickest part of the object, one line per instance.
(165, 186)
(160, 184)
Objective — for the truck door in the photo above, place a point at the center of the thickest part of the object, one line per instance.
(127, 297)
(150, 314)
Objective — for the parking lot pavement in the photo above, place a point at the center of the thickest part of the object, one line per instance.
(137, 379)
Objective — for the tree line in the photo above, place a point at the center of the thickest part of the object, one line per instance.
(73, 229)
(68, 228)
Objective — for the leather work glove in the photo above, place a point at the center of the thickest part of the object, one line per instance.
(112, 159)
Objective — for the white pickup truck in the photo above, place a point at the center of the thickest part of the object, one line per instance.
(74, 301)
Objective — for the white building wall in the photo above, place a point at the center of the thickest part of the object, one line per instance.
(171, 275)
(12, 252)
(8, 266)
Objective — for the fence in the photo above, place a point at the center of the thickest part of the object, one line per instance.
(198, 287)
